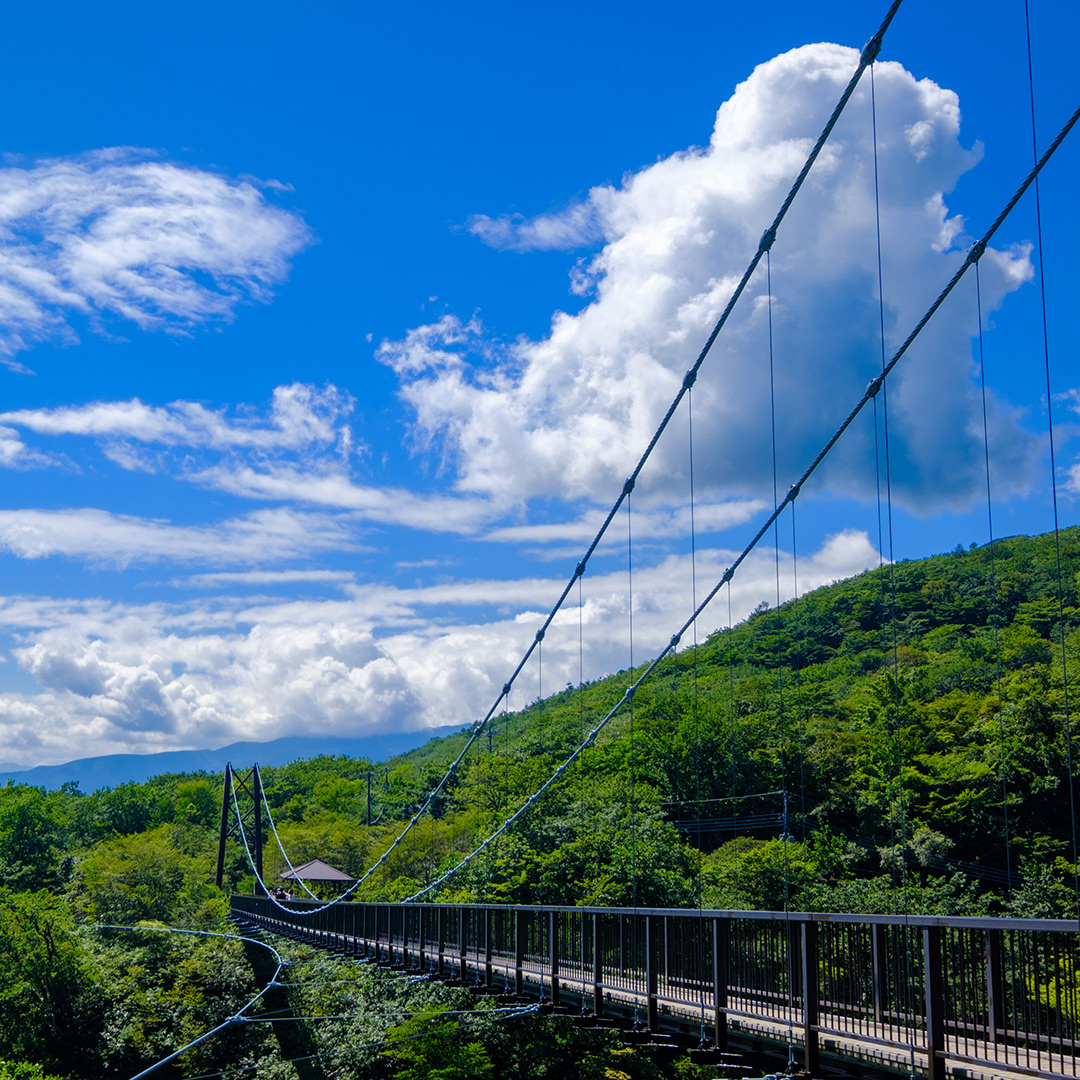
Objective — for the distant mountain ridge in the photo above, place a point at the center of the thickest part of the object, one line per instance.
(112, 769)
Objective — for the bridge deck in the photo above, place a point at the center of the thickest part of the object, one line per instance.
(978, 998)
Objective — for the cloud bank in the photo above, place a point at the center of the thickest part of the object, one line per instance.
(121, 235)
(138, 678)
(567, 415)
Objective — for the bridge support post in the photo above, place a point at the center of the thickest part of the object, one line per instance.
(440, 918)
(553, 952)
(256, 795)
(487, 946)
(422, 944)
(720, 938)
(226, 795)
(651, 980)
(878, 954)
(935, 1003)
(811, 1018)
(463, 950)
(597, 967)
(519, 951)
(995, 999)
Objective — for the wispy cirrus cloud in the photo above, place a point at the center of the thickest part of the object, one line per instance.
(577, 226)
(15, 454)
(120, 234)
(335, 488)
(300, 415)
(651, 523)
(299, 451)
(120, 540)
(259, 578)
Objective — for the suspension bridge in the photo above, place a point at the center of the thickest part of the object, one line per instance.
(938, 996)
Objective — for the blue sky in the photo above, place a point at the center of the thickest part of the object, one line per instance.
(326, 336)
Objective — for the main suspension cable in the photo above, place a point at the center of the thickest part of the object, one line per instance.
(866, 57)
(873, 387)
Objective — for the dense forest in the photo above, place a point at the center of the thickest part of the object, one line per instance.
(899, 741)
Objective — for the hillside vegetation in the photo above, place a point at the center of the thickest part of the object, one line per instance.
(868, 747)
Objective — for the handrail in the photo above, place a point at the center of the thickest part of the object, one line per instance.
(998, 992)
(968, 922)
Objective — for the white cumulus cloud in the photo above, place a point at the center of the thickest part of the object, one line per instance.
(568, 414)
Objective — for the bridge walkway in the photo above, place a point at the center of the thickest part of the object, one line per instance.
(976, 998)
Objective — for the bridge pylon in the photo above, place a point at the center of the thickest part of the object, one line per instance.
(241, 815)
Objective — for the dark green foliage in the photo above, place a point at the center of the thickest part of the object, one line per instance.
(904, 712)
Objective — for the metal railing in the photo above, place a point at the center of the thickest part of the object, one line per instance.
(1002, 993)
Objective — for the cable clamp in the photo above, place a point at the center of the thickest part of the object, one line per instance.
(689, 379)
(579, 569)
(728, 575)
(628, 486)
(870, 50)
(873, 386)
(793, 491)
(506, 690)
(675, 639)
(768, 238)
(540, 634)
(976, 251)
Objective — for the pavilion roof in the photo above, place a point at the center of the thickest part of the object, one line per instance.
(316, 870)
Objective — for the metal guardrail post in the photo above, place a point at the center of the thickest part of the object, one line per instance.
(651, 982)
(463, 952)
(553, 952)
(440, 918)
(995, 998)
(935, 1002)
(597, 966)
(519, 951)
(811, 1009)
(879, 968)
(721, 933)
(487, 946)
(422, 948)
(665, 968)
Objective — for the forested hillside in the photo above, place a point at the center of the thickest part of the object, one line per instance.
(868, 747)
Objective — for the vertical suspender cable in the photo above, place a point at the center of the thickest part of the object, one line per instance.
(731, 746)
(994, 609)
(1053, 477)
(787, 951)
(633, 746)
(895, 685)
(633, 762)
(696, 719)
(799, 704)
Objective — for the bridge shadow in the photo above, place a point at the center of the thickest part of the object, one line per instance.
(294, 1038)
